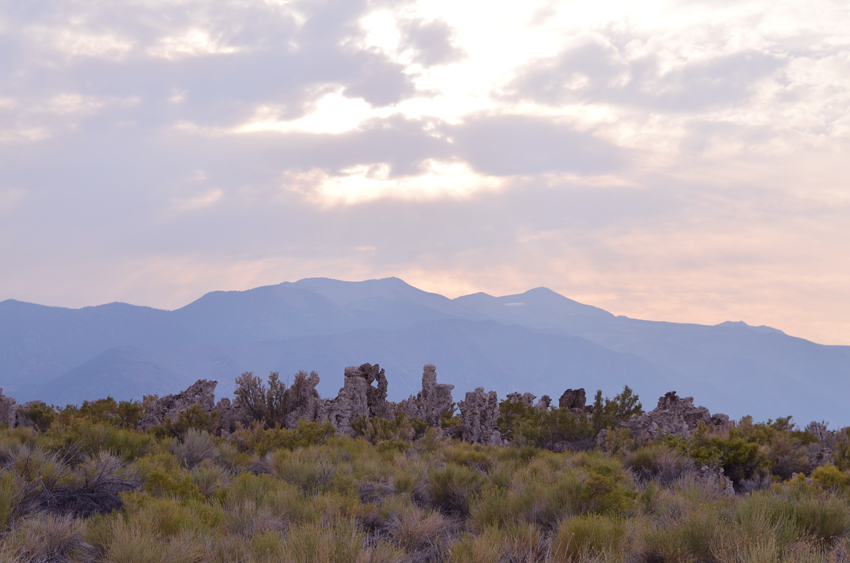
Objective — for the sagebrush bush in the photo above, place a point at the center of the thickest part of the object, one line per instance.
(193, 447)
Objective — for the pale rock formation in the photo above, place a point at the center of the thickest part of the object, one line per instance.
(527, 399)
(673, 415)
(227, 414)
(573, 399)
(202, 392)
(715, 478)
(430, 403)
(306, 403)
(357, 398)
(478, 416)
(543, 403)
(8, 410)
(820, 453)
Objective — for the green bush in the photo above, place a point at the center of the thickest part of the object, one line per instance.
(41, 415)
(172, 484)
(85, 437)
(399, 429)
(123, 414)
(194, 418)
(608, 413)
(830, 477)
(262, 441)
(740, 459)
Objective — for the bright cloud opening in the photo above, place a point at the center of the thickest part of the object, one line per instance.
(364, 183)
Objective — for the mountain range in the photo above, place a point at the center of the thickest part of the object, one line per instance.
(537, 341)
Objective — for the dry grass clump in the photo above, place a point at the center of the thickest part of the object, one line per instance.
(46, 538)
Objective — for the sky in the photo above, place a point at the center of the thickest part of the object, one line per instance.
(667, 160)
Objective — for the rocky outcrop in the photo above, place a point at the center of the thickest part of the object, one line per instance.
(673, 415)
(478, 415)
(527, 399)
(543, 403)
(430, 403)
(305, 402)
(202, 392)
(573, 399)
(357, 398)
(376, 397)
(715, 478)
(9, 408)
(227, 415)
(820, 452)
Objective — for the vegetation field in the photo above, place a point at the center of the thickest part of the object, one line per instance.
(82, 485)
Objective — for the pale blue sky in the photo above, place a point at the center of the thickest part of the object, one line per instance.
(680, 161)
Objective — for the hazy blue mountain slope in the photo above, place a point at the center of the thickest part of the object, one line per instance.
(467, 354)
(540, 307)
(37, 343)
(122, 373)
(323, 324)
(264, 313)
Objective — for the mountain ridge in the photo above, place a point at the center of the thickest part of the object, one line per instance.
(51, 351)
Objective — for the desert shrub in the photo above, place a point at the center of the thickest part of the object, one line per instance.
(261, 402)
(841, 454)
(399, 429)
(123, 414)
(9, 496)
(342, 543)
(172, 484)
(46, 538)
(270, 404)
(449, 488)
(607, 494)
(210, 479)
(194, 447)
(483, 547)
(85, 437)
(48, 483)
(310, 471)
(14, 438)
(260, 440)
(578, 538)
(658, 463)
(609, 413)
(415, 530)
(830, 477)
(474, 456)
(786, 455)
(520, 423)
(807, 514)
(523, 541)
(553, 429)
(40, 414)
(739, 458)
(194, 418)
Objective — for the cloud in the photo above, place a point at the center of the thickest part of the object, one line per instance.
(508, 145)
(599, 73)
(681, 160)
(434, 180)
(432, 42)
